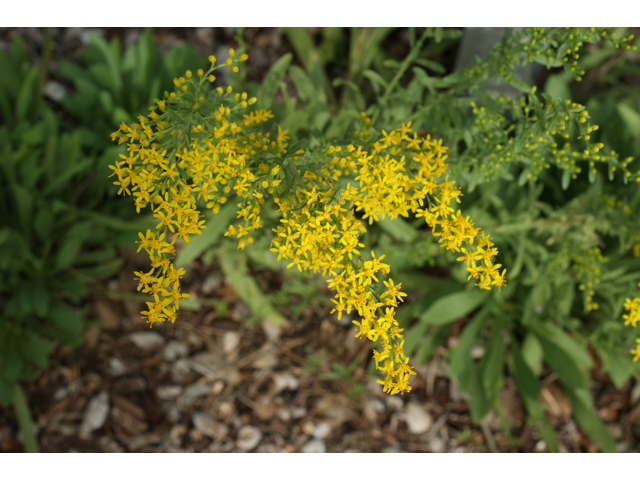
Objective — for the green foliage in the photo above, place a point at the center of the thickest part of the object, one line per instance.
(57, 235)
(555, 192)
(116, 86)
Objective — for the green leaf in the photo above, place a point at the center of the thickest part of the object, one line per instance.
(40, 298)
(24, 203)
(303, 84)
(399, 229)
(589, 421)
(618, 364)
(559, 337)
(72, 244)
(631, 118)
(12, 365)
(525, 379)
(7, 392)
(548, 62)
(65, 317)
(27, 94)
(430, 343)
(563, 364)
(102, 271)
(234, 267)
(479, 404)
(270, 83)
(413, 337)
(492, 364)
(557, 85)
(43, 222)
(431, 65)
(35, 349)
(376, 79)
(532, 354)
(108, 72)
(519, 84)
(453, 306)
(566, 178)
(216, 225)
(460, 358)
(548, 435)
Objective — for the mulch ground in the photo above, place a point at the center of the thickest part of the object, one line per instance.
(212, 382)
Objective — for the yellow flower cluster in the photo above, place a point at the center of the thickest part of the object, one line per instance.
(399, 174)
(202, 165)
(632, 306)
(632, 318)
(212, 150)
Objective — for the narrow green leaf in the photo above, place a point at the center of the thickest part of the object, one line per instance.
(375, 78)
(430, 343)
(270, 83)
(72, 244)
(27, 94)
(234, 267)
(108, 73)
(399, 229)
(303, 84)
(631, 118)
(525, 379)
(492, 365)
(65, 317)
(566, 178)
(479, 404)
(589, 421)
(563, 364)
(216, 225)
(548, 435)
(431, 65)
(559, 337)
(532, 354)
(7, 392)
(453, 306)
(519, 84)
(618, 364)
(35, 349)
(460, 358)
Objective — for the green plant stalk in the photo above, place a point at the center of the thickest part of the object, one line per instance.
(415, 51)
(413, 54)
(21, 407)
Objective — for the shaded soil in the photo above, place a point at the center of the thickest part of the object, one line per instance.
(213, 382)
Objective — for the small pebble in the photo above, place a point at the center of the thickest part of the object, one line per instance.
(285, 381)
(436, 444)
(394, 403)
(212, 282)
(314, 446)
(230, 342)
(372, 407)
(116, 367)
(95, 414)
(168, 392)
(248, 438)
(321, 431)
(418, 418)
(174, 350)
(146, 340)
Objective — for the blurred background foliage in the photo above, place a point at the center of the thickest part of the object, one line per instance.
(566, 225)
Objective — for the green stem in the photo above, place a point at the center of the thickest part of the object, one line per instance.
(415, 51)
(21, 407)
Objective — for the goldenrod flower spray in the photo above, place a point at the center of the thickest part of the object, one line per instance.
(205, 144)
